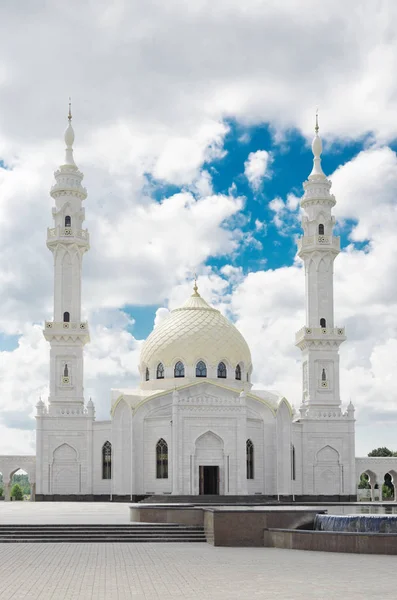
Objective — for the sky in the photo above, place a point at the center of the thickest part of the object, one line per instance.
(193, 126)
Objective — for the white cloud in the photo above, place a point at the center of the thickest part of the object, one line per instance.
(151, 94)
(256, 168)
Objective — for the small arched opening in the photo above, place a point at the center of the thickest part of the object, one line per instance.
(147, 374)
(250, 459)
(66, 317)
(19, 485)
(68, 221)
(107, 460)
(222, 371)
(323, 323)
(238, 373)
(387, 487)
(321, 229)
(162, 459)
(293, 463)
(201, 369)
(179, 369)
(160, 371)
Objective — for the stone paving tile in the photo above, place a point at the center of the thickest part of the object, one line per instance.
(188, 572)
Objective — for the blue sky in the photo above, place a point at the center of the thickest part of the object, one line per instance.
(291, 164)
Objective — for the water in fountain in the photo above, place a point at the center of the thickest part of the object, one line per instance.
(357, 523)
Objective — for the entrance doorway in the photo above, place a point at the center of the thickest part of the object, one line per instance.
(209, 480)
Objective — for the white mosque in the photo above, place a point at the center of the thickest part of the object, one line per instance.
(195, 425)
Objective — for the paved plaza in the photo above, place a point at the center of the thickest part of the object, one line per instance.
(169, 571)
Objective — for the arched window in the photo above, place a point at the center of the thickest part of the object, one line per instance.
(162, 459)
(201, 369)
(66, 370)
(293, 462)
(323, 323)
(321, 229)
(238, 372)
(68, 221)
(323, 375)
(147, 374)
(107, 460)
(222, 370)
(66, 317)
(160, 371)
(179, 369)
(250, 459)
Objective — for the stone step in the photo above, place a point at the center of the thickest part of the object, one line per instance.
(134, 533)
(85, 540)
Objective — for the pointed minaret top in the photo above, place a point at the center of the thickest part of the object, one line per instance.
(69, 139)
(317, 148)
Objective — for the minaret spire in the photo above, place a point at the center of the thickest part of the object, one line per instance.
(317, 148)
(69, 139)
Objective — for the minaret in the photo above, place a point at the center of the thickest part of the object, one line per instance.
(319, 340)
(68, 242)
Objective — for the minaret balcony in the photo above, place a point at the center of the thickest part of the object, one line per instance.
(66, 233)
(320, 333)
(318, 242)
(78, 329)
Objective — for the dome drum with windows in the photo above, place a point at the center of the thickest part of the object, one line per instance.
(194, 342)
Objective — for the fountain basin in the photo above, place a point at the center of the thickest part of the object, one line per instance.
(356, 523)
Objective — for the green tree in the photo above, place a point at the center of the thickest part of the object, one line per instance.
(364, 482)
(16, 492)
(23, 481)
(382, 452)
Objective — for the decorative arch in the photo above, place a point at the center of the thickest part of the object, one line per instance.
(327, 454)
(201, 369)
(65, 470)
(162, 459)
(208, 436)
(179, 369)
(222, 371)
(65, 452)
(107, 460)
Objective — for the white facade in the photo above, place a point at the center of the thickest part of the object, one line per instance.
(194, 425)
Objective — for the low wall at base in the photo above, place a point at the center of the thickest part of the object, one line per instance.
(183, 515)
(331, 541)
(244, 527)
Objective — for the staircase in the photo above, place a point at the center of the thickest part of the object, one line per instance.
(133, 533)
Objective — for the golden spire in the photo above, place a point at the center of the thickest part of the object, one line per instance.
(316, 129)
(70, 110)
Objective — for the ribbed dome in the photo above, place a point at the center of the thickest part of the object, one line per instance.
(196, 331)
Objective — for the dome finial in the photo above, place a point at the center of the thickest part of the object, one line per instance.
(195, 287)
(70, 110)
(316, 129)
